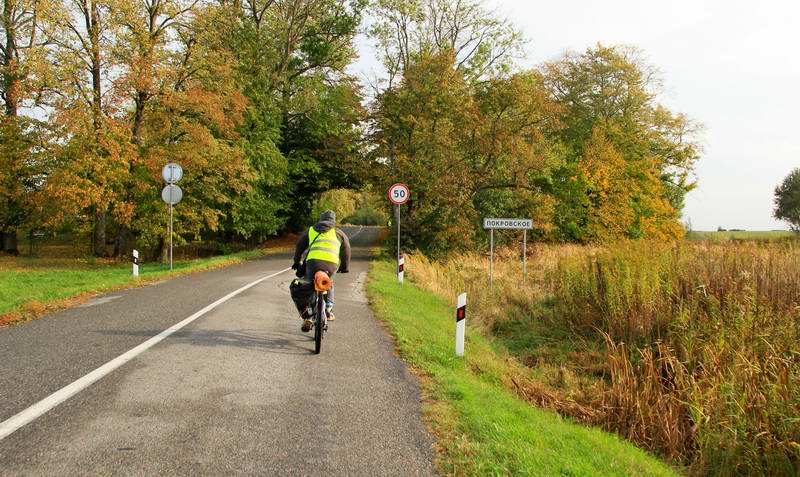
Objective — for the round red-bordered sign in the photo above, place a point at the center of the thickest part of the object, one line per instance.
(399, 194)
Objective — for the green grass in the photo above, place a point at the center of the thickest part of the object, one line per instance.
(741, 235)
(29, 280)
(482, 427)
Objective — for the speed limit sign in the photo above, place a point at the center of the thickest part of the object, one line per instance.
(398, 194)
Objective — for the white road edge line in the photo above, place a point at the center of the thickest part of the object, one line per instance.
(35, 411)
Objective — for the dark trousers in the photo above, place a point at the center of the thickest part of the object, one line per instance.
(329, 297)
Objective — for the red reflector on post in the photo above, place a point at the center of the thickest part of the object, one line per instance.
(461, 313)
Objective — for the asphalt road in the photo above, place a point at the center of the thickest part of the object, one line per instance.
(238, 391)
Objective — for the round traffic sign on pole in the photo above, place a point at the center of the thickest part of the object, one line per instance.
(171, 194)
(172, 173)
(399, 194)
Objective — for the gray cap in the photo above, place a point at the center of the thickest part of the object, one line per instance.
(328, 216)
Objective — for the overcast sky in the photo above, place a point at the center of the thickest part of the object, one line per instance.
(732, 65)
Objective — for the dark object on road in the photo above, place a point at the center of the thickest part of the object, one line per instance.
(302, 291)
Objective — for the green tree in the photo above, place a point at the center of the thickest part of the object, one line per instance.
(466, 150)
(23, 69)
(300, 132)
(787, 200)
(17, 179)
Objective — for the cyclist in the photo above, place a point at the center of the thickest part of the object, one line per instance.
(328, 249)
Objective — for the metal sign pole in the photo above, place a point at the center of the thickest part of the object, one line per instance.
(524, 256)
(171, 194)
(170, 231)
(397, 213)
(491, 256)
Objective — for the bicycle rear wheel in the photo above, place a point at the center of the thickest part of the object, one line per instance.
(319, 322)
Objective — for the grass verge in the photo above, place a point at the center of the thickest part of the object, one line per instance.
(482, 425)
(31, 287)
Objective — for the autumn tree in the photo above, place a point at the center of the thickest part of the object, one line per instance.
(152, 57)
(193, 120)
(82, 35)
(616, 131)
(142, 84)
(787, 200)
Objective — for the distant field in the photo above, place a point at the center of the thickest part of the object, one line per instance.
(741, 235)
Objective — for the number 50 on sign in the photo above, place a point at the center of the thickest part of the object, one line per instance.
(399, 194)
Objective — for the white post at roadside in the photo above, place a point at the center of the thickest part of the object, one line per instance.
(461, 323)
(135, 263)
(401, 265)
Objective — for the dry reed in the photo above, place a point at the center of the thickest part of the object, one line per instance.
(698, 343)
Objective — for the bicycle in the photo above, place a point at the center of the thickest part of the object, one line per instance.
(322, 284)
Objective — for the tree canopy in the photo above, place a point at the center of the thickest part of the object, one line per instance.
(787, 200)
(256, 100)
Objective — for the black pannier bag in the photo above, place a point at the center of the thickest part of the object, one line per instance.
(302, 292)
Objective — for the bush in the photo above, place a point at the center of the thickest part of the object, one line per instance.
(367, 216)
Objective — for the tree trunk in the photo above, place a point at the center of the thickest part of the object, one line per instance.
(11, 75)
(93, 27)
(123, 244)
(8, 240)
(99, 233)
(163, 250)
(11, 91)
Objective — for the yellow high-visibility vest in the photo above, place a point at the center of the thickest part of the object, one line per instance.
(323, 246)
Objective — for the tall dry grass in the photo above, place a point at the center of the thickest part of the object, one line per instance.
(694, 346)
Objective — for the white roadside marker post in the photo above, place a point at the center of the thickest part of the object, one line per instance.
(461, 323)
(135, 263)
(401, 263)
